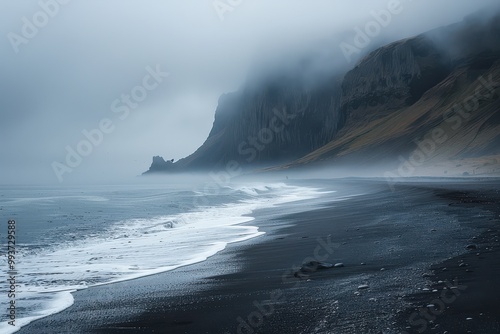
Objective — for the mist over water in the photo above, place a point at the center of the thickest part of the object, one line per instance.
(66, 76)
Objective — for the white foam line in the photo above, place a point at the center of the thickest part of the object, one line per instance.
(65, 299)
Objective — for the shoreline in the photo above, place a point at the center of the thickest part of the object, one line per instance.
(230, 287)
(239, 227)
(242, 239)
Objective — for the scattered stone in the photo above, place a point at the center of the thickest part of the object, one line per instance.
(339, 265)
(430, 306)
(444, 269)
(362, 263)
(382, 269)
(462, 264)
(372, 299)
(468, 319)
(363, 286)
(471, 246)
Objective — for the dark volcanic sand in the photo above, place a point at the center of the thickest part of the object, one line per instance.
(474, 306)
(250, 287)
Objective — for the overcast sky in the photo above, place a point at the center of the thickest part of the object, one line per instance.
(61, 72)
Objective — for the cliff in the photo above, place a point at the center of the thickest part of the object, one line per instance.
(442, 84)
(278, 121)
(424, 99)
(392, 77)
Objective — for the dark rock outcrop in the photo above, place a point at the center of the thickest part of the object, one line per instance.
(160, 165)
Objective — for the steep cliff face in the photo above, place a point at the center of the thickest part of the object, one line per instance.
(395, 98)
(457, 118)
(279, 121)
(392, 77)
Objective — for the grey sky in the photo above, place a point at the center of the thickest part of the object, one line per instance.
(66, 76)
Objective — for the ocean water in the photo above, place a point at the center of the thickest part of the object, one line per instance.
(73, 238)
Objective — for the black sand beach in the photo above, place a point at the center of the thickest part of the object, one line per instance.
(393, 247)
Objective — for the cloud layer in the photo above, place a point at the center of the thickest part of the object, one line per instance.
(64, 63)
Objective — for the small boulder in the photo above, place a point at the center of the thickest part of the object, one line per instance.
(311, 267)
(317, 265)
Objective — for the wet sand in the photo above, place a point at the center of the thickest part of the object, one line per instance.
(393, 246)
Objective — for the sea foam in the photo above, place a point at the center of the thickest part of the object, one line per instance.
(134, 248)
